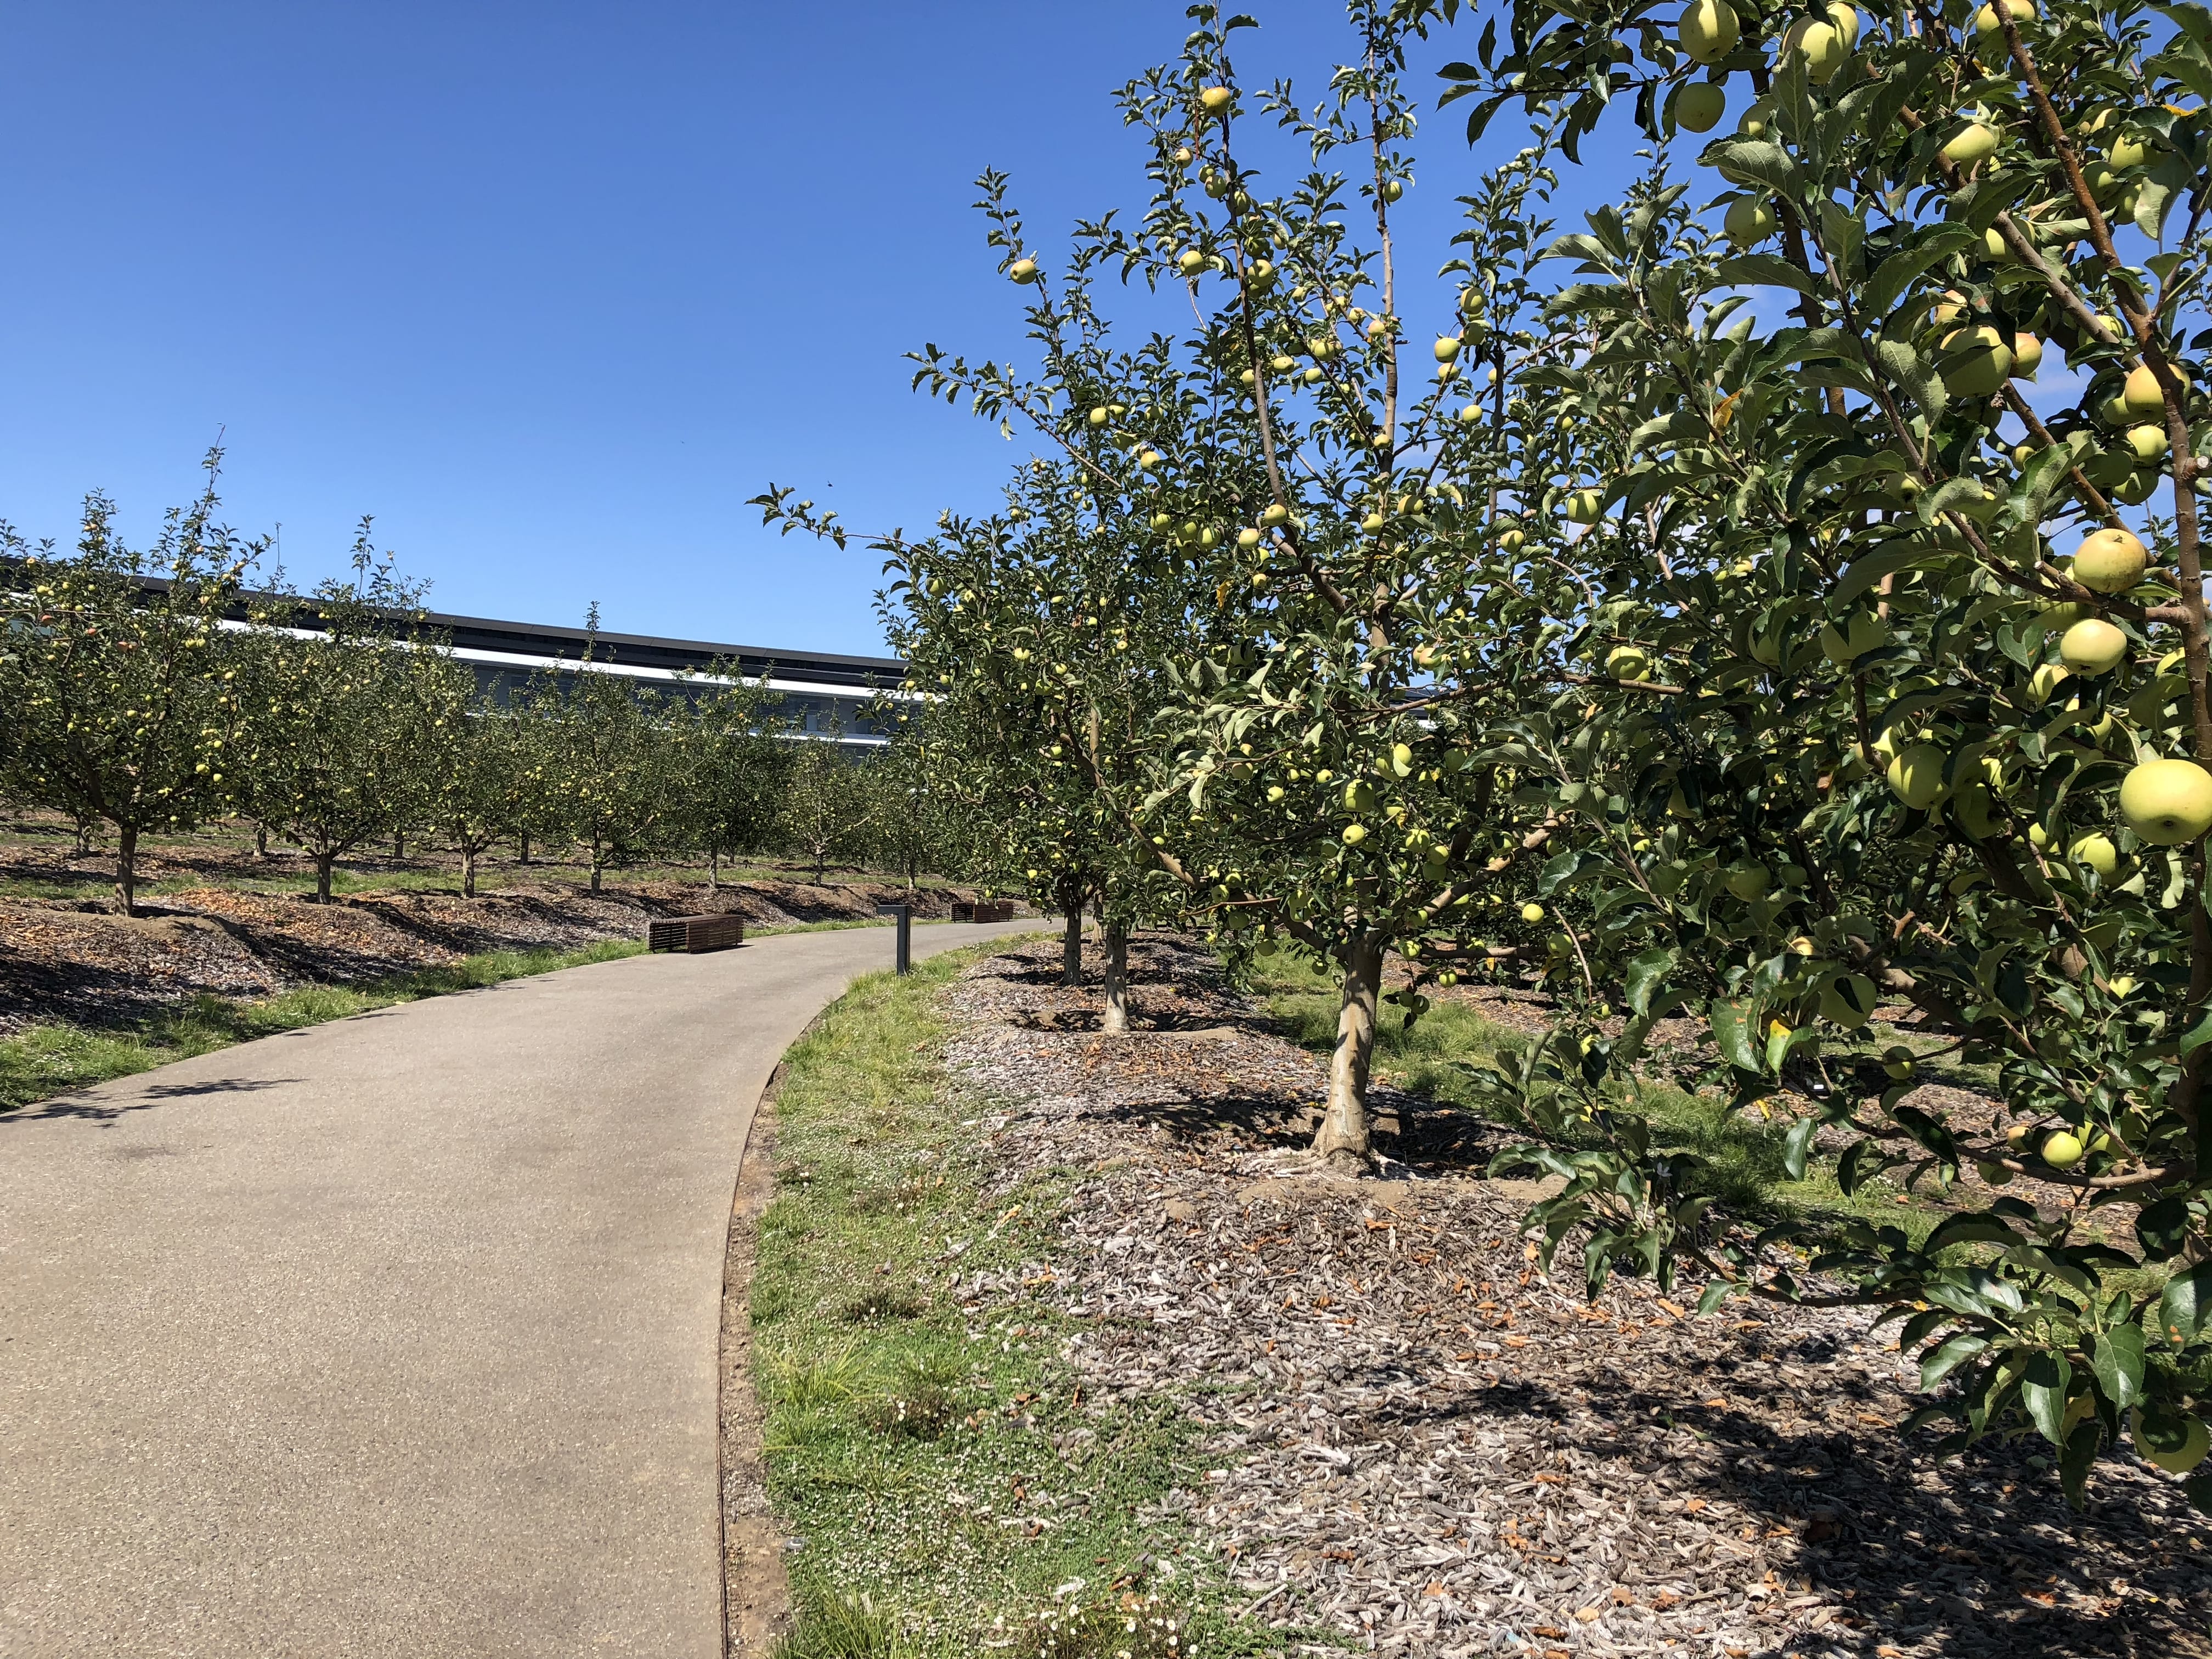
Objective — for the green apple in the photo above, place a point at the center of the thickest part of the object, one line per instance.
(1024, 270)
(1897, 1063)
(1532, 913)
(1845, 19)
(1354, 833)
(1190, 262)
(1986, 21)
(1993, 1175)
(2168, 802)
(1628, 662)
(2189, 1448)
(1585, 506)
(1973, 144)
(1512, 541)
(1708, 30)
(1359, 796)
(1699, 105)
(2138, 487)
(1862, 631)
(1748, 220)
(1757, 119)
(2148, 443)
(1275, 792)
(1214, 100)
(1821, 47)
(2026, 357)
(1975, 811)
(2121, 985)
(1747, 882)
(2092, 647)
(2095, 851)
(1916, 776)
(1847, 1000)
(2110, 562)
(1247, 538)
(2062, 1149)
(2141, 394)
(1976, 361)
(2045, 681)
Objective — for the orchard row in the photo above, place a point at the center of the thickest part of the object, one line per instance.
(149, 707)
(1701, 612)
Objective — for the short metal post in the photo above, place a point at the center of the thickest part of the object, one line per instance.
(902, 915)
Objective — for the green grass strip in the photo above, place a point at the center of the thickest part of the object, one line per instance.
(913, 1448)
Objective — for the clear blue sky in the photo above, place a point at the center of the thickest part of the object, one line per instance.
(550, 289)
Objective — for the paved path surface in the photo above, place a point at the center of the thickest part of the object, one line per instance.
(395, 1336)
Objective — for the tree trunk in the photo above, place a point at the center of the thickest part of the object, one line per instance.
(713, 869)
(821, 870)
(323, 863)
(1116, 1017)
(909, 875)
(598, 863)
(525, 857)
(126, 869)
(399, 846)
(1342, 1141)
(468, 869)
(261, 840)
(83, 836)
(1071, 948)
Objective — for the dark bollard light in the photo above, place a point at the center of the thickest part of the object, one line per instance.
(903, 914)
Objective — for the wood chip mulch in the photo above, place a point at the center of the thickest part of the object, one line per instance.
(69, 959)
(1427, 1448)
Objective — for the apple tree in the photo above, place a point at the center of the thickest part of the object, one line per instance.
(119, 677)
(1876, 697)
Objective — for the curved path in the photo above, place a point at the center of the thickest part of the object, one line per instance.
(395, 1335)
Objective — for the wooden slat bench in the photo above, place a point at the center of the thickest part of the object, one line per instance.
(984, 910)
(695, 934)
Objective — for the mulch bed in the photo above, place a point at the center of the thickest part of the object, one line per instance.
(1426, 1447)
(69, 959)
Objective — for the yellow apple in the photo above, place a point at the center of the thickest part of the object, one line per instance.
(1976, 361)
(1354, 833)
(1699, 105)
(1917, 775)
(2062, 1149)
(2148, 442)
(1970, 145)
(1628, 662)
(1585, 506)
(2096, 852)
(1708, 30)
(1987, 22)
(1214, 100)
(1023, 271)
(2142, 394)
(2092, 647)
(1532, 913)
(1821, 45)
(2168, 802)
(2110, 562)
(1748, 220)
(2026, 357)
(2195, 1443)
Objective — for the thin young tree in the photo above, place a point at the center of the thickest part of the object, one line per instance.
(119, 677)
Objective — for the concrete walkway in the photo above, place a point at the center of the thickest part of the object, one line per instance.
(394, 1336)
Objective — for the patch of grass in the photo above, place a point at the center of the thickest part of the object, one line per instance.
(927, 1447)
(1743, 1155)
(53, 1059)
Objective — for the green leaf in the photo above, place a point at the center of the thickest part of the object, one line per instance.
(1798, 1144)
(2043, 1388)
(1763, 270)
(1753, 162)
(2186, 1308)
(1950, 1356)
(2163, 1228)
(1733, 1020)
(1715, 1293)
(2077, 1459)
(1913, 372)
(2155, 195)
(1643, 974)
(1893, 275)
(2118, 1363)
(1971, 1229)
